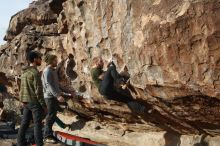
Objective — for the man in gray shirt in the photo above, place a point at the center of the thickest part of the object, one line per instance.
(52, 95)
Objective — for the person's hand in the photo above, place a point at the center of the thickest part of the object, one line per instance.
(101, 76)
(21, 105)
(61, 99)
(110, 63)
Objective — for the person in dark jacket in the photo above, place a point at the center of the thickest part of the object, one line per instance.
(108, 82)
(105, 81)
(31, 96)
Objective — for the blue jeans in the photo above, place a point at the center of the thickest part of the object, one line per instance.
(31, 111)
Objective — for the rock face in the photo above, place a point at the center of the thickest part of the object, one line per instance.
(170, 49)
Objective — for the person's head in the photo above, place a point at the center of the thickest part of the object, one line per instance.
(34, 57)
(98, 62)
(70, 56)
(51, 60)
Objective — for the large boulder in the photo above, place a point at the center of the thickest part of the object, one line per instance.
(169, 48)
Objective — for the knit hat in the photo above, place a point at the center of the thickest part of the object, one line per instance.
(49, 58)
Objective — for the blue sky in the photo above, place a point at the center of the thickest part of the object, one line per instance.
(7, 9)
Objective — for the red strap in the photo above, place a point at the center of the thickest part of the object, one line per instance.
(75, 138)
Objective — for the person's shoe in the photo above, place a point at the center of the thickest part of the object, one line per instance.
(51, 140)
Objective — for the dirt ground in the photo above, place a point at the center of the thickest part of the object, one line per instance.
(8, 142)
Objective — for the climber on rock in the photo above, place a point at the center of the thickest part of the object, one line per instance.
(52, 95)
(105, 81)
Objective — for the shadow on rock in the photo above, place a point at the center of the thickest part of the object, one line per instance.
(202, 142)
(78, 125)
(172, 139)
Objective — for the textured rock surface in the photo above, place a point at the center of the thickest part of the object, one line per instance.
(170, 48)
(110, 134)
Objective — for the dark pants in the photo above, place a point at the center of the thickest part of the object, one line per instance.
(52, 109)
(107, 87)
(31, 111)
